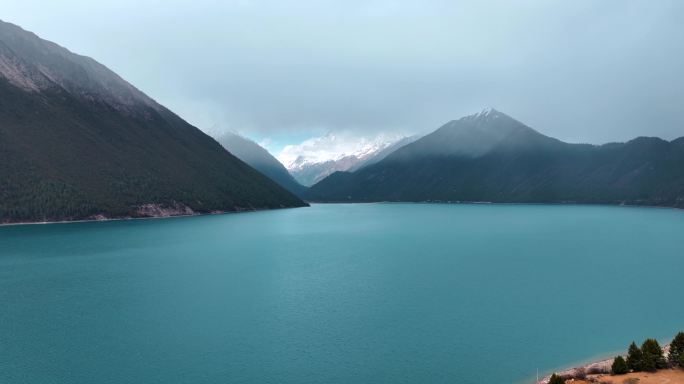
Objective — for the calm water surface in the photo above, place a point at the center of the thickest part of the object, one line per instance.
(373, 293)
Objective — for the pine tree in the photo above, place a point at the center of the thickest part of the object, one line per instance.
(634, 357)
(654, 354)
(648, 362)
(619, 366)
(676, 350)
(555, 379)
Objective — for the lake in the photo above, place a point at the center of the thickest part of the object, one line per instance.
(348, 293)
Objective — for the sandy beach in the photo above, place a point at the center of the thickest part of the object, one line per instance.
(665, 376)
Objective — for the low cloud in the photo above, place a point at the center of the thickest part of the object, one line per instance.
(334, 146)
(581, 70)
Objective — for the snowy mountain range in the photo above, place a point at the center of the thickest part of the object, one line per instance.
(324, 156)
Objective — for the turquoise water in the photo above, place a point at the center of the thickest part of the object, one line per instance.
(368, 293)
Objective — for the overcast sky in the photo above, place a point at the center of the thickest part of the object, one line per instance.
(285, 71)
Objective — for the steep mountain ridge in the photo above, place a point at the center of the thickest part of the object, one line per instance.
(78, 142)
(35, 65)
(260, 159)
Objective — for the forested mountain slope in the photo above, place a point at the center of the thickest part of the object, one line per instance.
(492, 157)
(79, 142)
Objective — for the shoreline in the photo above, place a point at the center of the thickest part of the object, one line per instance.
(98, 218)
(102, 219)
(602, 366)
(437, 202)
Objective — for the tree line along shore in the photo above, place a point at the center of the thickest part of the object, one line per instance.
(650, 359)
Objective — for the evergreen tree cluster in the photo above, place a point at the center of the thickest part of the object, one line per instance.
(647, 358)
(650, 357)
(65, 158)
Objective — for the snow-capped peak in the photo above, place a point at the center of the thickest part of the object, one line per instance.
(485, 114)
(333, 147)
(315, 158)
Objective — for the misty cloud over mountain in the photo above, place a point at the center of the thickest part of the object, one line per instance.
(583, 71)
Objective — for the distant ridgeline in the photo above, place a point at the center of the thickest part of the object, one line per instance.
(490, 157)
(261, 160)
(79, 142)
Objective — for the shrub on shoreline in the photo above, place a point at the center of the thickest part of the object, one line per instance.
(555, 379)
(597, 370)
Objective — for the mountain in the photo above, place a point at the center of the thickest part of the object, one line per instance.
(381, 154)
(308, 171)
(492, 157)
(79, 142)
(261, 160)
